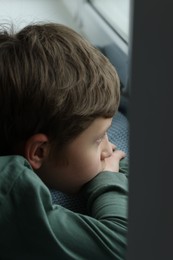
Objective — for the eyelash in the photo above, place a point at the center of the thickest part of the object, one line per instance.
(99, 140)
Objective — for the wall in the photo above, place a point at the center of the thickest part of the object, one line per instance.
(22, 12)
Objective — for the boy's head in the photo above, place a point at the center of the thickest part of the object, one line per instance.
(53, 82)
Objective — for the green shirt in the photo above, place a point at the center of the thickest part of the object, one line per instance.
(31, 227)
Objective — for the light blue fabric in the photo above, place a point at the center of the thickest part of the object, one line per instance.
(119, 132)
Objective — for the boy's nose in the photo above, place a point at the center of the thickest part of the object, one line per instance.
(107, 151)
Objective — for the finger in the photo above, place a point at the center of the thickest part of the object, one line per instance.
(119, 154)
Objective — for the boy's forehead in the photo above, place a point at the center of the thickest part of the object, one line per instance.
(98, 126)
(102, 123)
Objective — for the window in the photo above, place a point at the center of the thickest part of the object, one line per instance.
(115, 13)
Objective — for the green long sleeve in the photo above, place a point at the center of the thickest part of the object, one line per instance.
(33, 228)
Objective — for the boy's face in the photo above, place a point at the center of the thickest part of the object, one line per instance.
(81, 160)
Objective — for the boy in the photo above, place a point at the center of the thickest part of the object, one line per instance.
(58, 95)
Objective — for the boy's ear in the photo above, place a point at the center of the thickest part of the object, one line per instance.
(37, 150)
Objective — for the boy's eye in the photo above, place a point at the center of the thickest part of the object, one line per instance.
(101, 138)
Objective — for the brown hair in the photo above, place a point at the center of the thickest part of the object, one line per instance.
(52, 81)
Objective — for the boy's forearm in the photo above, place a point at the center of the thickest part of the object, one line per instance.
(105, 230)
(107, 187)
(107, 195)
(107, 203)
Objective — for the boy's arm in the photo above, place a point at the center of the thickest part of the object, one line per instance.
(52, 232)
(103, 234)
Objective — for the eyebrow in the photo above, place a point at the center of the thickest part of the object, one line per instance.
(106, 129)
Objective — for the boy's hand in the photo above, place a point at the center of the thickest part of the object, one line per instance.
(112, 163)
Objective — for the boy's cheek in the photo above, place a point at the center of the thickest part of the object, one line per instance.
(83, 175)
(93, 170)
(71, 177)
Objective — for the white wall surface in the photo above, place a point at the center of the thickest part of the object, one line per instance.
(77, 14)
(73, 6)
(22, 12)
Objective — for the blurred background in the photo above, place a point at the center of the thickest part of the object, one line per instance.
(137, 37)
